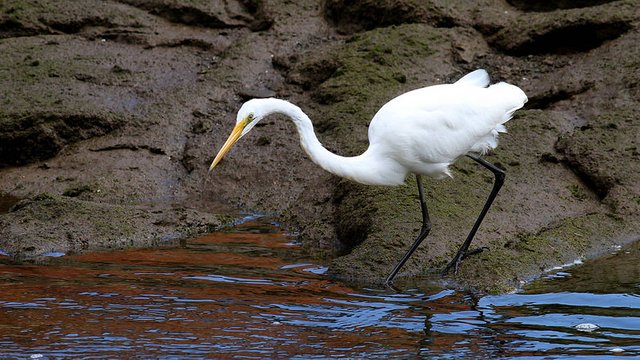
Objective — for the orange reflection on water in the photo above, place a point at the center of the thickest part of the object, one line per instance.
(225, 294)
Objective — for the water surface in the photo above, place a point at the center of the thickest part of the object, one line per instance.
(250, 294)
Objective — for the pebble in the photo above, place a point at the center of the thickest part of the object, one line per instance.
(587, 327)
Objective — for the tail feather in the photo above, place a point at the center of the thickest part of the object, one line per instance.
(479, 78)
(512, 97)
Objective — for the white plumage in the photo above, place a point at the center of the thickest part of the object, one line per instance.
(422, 132)
(427, 129)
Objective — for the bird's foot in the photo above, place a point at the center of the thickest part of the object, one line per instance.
(474, 251)
(452, 265)
(461, 255)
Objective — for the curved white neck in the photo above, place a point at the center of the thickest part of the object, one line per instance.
(366, 168)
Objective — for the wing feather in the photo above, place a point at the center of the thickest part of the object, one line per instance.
(439, 123)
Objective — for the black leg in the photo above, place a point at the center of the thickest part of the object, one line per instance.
(499, 180)
(426, 227)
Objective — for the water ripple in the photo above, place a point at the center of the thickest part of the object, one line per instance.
(247, 294)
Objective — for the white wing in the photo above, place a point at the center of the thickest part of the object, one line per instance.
(427, 129)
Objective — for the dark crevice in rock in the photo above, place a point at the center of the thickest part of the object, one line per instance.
(546, 99)
(362, 15)
(543, 6)
(10, 27)
(7, 201)
(252, 16)
(118, 34)
(353, 215)
(599, 182)
(571, 38)
(191, 42)
(310, 74)
(42, 136)
(189, 16)
(77, 25)
(188, 160)
(132, 147)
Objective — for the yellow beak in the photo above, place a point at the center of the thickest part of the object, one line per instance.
(235, 135)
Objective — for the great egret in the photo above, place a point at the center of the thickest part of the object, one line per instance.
(422, 132)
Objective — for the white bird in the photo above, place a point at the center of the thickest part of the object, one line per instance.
(421, 132)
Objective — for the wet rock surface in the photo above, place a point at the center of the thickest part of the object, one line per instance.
(66, 224)
(111, 112)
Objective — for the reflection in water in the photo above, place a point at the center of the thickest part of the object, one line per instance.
(250, 294)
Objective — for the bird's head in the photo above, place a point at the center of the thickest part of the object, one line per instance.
(248, 116)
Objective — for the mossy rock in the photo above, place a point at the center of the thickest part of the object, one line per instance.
(565, 31)
(50, 223)
(605, 154)
(509, 265)
(37, 120)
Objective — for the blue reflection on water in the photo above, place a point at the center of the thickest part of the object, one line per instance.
(631, 301)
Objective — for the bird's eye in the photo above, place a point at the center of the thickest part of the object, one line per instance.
(250, 118)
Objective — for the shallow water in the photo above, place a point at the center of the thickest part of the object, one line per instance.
(249, 293)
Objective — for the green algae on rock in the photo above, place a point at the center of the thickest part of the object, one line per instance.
(32, 226)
